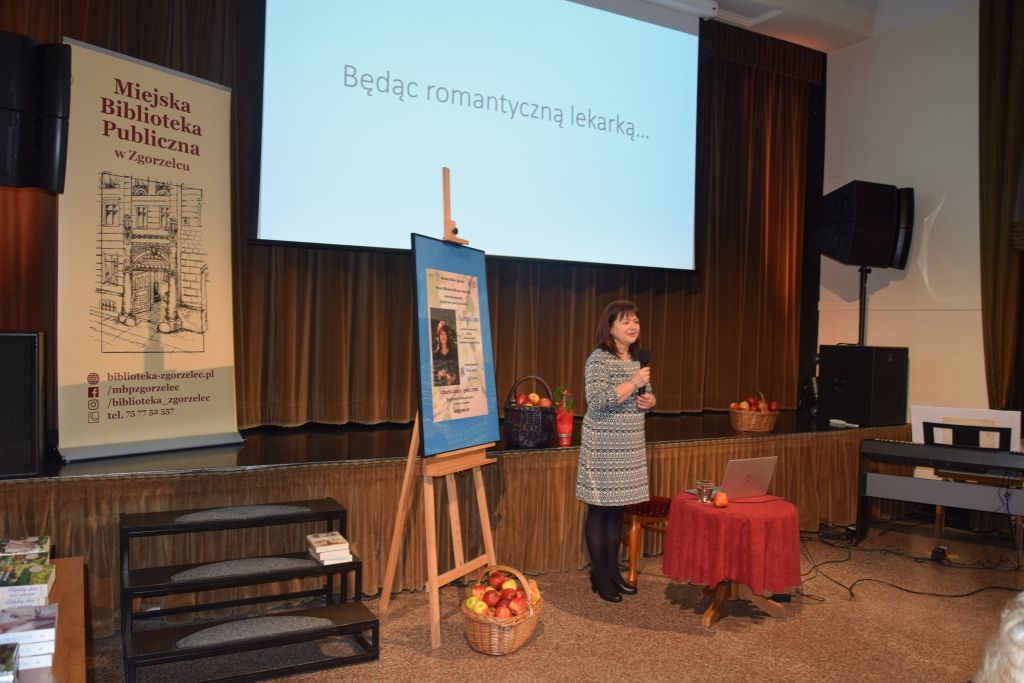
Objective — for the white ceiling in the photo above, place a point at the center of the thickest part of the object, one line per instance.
(829, 25)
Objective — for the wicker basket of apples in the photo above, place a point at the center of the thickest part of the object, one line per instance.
(529, 418)
(753, 414)
(501, 611)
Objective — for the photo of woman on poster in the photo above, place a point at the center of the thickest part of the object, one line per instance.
(445, 349)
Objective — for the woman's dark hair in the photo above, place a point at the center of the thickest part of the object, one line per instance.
(442, 325)
(612, 312)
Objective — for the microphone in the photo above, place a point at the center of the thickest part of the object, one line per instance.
(644, 356)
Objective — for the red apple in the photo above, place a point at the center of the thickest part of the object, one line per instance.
(754, 404)
(492, 598)
(508, 593)
(721, 500)
(544, 403)
(522, 400)
(502, 612)
(773, 406)
(479, 590)
(517, 605)
(496, 579)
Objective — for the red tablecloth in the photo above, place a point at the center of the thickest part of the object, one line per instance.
(755, 541)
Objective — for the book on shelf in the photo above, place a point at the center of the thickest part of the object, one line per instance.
(28, 624)
(8, 662)
(332, 558)
(32, 593)
(43, 647)
(34, 549)
(326, 541)
(35, 662)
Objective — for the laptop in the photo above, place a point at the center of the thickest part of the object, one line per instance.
(746, 478)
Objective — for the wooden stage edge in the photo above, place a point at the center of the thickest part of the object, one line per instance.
(536, 520)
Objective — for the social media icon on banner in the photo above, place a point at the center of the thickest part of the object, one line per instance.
(94, 417)
(94, 392)
(93, 378)
(94, 404)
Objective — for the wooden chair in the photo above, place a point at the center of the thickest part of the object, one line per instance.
(651, 515)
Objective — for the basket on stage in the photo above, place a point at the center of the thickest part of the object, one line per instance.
(502, 636)
(753, 420)
(527, 425)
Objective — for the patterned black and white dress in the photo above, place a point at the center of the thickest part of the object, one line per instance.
(613, 454)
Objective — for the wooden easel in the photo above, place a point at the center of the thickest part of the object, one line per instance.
(446, 465)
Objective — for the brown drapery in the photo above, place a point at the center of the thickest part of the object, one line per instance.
(1001, 151)
(326, 335)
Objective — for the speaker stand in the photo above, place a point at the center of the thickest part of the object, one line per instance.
(864, 270)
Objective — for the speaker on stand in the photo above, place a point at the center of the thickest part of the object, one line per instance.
(22, 405)
(868, 225)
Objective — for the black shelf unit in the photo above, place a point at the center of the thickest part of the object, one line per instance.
(336, 617)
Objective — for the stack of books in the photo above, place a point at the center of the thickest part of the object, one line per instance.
(33, 630)
(329, 547)
(26, 574)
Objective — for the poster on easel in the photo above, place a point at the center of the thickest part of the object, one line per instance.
(458, 397)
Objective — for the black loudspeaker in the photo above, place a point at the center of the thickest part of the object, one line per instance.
(35, 98)
(863, 385)
(22, 410)
(867, 224)
(904, 227)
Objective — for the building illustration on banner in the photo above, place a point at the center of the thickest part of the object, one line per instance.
(153, 272)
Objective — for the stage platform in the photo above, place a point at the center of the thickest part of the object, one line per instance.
(319, 443)
(536, 520)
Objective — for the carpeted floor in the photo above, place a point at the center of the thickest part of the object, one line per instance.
(881, 633)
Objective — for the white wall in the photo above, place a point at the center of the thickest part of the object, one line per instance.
(902, 109)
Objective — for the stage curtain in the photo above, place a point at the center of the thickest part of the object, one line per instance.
(1001, 151)
(753, 148)
(327, 335)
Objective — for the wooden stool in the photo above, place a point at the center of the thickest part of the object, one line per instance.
(651, 515)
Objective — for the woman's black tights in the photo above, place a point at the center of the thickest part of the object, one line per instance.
(604, 535)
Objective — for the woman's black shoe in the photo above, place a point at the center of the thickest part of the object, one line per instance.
(623, 587)
(612, 596)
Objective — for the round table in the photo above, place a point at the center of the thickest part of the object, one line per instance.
(749, 549)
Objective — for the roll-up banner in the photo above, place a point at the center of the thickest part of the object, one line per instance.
(145, 357)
